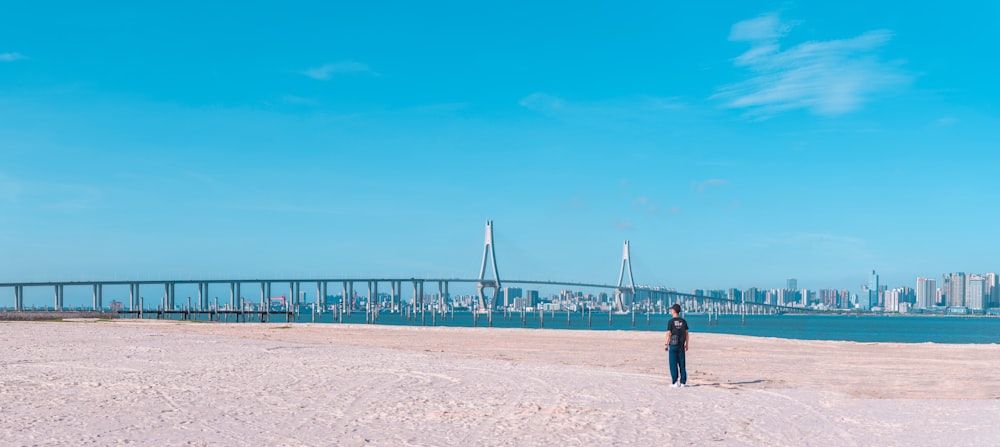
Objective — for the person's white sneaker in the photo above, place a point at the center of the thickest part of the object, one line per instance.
(680, 386)
(674, 385)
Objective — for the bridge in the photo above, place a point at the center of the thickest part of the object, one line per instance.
(627, 298)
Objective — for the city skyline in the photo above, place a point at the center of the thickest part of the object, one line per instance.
(734, 147)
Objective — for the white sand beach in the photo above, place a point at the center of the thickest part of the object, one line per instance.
(174, 383)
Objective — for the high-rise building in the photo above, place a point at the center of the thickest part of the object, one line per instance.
(531, 297)
(926, 293)
(793, 284)
(869, 293)
(787, 297)
(953, 288)
(735, 295)
(509, 294)
(829, 298)
(891, 300)
(992, 289)
(771, 297)
(975, 298)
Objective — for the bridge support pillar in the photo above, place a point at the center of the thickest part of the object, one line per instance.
(263, 295)
(267, 298)
(621, 291)
(173, 296)
(320, 301)
(133, 294)
(350, 296)
(344, 300)
(238, 298)
(201, 297)
(98, 299)
(489, 254)
(413, 305)
(423, 305)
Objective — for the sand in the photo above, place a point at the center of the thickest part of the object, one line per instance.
(171, 383)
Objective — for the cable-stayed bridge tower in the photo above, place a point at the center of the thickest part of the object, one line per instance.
(489, 254)
(621, 290)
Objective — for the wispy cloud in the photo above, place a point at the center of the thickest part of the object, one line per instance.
(326, 71)
(9, 189)
(69, 197)
(640, 108)
(825, 244)
(647, 207)
(299, 100)
(623, 225)
(11, 57)
(35, 195)
(700, 186)
(825, 77)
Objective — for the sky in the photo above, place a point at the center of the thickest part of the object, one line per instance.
(734, 144)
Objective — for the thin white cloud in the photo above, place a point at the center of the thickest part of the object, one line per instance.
(764, 27)
(640, 108)
(68, 197)
(818, 245)
(11, 57)
(9, 189)
(542, 102)
(825, 77)
(326, 71)
(299, 100)
(623, 225)
(647, 207)
(711, 182)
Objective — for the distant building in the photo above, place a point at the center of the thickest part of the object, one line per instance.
(787, 297)
(953, 288)
(830, 298)
(891, 300)
(869, 293)
(735, 295)
(992, 289)
(975, 296)
(531, 297)
(510, 294)
(771, 297)
(792, 284)
(926, 291)
(753, 295)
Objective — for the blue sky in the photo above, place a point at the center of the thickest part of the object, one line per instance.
(736, 144)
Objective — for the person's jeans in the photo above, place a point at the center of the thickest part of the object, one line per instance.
(676, 361)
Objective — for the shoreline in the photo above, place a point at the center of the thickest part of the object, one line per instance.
(178, 383)
(54, 315)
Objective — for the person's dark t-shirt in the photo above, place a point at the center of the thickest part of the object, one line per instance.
(678, 328)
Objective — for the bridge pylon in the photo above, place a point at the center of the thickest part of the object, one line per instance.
(621, 290)
(489, 254)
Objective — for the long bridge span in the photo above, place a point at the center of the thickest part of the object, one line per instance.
(625, 297)
(259, 291)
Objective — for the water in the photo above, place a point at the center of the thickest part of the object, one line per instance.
(903, 329)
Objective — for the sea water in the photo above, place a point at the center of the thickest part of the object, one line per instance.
(869, 328)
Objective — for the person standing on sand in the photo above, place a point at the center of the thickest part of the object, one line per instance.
(677, 346)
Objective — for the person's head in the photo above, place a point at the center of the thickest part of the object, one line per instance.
(675, 310)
